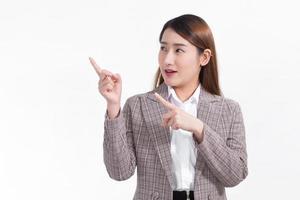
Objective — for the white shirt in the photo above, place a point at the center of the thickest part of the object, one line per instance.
(183, 150)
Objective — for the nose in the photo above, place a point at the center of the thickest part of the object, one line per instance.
(169, 58)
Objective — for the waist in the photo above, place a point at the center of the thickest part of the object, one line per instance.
(183, 195)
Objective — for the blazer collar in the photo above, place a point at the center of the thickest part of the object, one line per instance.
(162, 89)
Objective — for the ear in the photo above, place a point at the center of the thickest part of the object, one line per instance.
(205, 57)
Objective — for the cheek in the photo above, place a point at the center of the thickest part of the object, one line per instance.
(189, 67)
(187, 61)
(190, 62)
(160, 58)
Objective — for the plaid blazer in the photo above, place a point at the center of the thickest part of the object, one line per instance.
(135, 138)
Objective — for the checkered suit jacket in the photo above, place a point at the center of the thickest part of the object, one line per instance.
(135, 138)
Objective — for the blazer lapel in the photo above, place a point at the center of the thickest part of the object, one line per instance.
(161, 136)
(203, 113)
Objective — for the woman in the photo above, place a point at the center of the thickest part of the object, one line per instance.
(186, 140)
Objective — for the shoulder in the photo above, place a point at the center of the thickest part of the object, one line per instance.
(228, 105)
(134, 100)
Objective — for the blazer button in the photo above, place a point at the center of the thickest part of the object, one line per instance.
(155, 195)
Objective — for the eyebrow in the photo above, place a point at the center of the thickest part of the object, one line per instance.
(174, 44)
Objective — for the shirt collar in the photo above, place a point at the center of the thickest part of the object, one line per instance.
(193, 99)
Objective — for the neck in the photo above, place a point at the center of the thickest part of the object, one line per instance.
(186, 91)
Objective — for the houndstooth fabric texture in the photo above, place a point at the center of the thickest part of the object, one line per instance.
(135, 139)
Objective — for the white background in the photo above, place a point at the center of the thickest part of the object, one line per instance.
(51, 113)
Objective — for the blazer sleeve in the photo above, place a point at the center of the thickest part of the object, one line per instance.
(227, 159)
(118, 148)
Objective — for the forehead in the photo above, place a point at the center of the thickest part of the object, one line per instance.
(170, 37)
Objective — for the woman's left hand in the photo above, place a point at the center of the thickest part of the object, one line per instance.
(179, 119)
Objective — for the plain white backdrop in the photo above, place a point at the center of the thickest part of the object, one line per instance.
(52, 115)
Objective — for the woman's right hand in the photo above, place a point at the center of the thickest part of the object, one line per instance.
(110, 87)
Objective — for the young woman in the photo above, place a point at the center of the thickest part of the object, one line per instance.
(186, 140)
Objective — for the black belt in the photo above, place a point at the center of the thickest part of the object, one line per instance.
(183, 195)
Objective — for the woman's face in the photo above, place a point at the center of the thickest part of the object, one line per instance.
(179, 55)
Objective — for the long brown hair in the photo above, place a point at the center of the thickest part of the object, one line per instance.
(195, 30)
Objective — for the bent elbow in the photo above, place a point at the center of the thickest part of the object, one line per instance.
(235, 179)
(120, 175)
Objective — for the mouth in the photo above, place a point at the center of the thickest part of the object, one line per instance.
(170, 71)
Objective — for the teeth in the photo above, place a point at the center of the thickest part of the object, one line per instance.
(169, 70)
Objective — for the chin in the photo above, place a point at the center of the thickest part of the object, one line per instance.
(171, 83)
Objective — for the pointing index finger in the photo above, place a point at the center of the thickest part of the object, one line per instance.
(96, 67)
(163, 101)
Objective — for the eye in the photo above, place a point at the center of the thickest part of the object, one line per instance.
(162, 48)
(178, 50)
